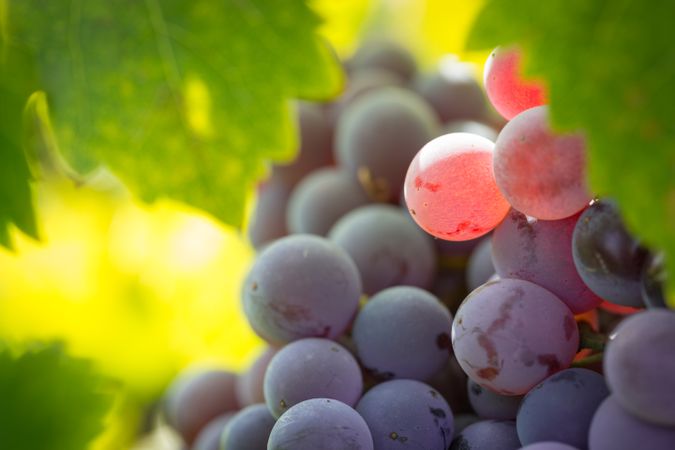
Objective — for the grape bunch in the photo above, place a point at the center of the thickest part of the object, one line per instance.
(432, 276)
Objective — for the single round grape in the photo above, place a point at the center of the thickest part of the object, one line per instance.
(322, 198)
(197, 397)
(403, 332)
(541, 173)
(301, 286)
(387, 247)
(450, 382)
(384, 55)
(311, 368)
(607, 257)
(320, 423)
(464, 420)
(249, 429)
(454, 93)
(506, 88)
(208, 437)
(613, 428)
(470, 126)
(561, 408)
(490, 405)
(488, 435)
(540, 251)
(450, 188)
(480, 267)
(653, 279)
(249, 385)
(379, 134)
(639, 365)
(510, 334)
(402, 413)
(549, 445)
(269, 217)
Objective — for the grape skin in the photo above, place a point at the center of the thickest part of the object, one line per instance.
(548, 446)
(209, 436)
(249, 429)
(488, 435)
(249, 385)
(541, 173)
(454, 94)
(510, 334)
(383, 55)
(480, 267)
(490, 405)
(450, 188)
(320, 423)
(269, 217)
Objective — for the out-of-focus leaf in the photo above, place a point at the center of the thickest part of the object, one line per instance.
(609, 66)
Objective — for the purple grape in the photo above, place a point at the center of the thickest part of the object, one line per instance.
(561, 408)
(387, 247)
(608, 258)
(249, 385)
(613, 428)
(301, 286)
(548, 446)
(407, 413)
(490, 405)
(510, 334)
(196, 398)
(311, 368)
(320, 199)
(480, 267)
(269, 218)
(639, 365)
(454, 94)
(450, 381)
(249, 429)
(403, 332)
(209, 436)
(488, 435)
(320, 423)
(540, 251)
(383, 55)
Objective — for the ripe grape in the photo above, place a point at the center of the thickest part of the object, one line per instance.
(607, 257)
(506, 88)
(540, 251)
(311, 368)
(561, 408)
(387, 247)
(450, 188)
(613, 428)
(480, 267)
(403, 332)
(361, 83)
(490, 405)
(402, 413)
(320, 199)
(385, 55)
(510, 334)
(320, 423)
(269, 217)
(549, 445)
(488, 435)
(640, 366)
(249, 429)
(379, 134)
(301, 286)
(249, 385)
(209, 436)
(541, 173)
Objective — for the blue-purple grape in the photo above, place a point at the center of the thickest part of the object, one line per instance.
(311, 368)
(403, 332)
(249, 429)
(407, 413)
(269, 216)
(613, 428)
(561, 408)
(540, 251)
(387, 247)
(249, 385)
(608, 258)
(550, 445)
(639, 365)
(320, 423)
(511, 334)
(490, 405)
(488, 435)
(480, 267)
(208, 437)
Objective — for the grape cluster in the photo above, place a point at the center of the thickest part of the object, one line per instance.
(430, 276)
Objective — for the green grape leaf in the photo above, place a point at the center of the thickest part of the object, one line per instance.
(609, 66)
(49, 400)
(180, 99)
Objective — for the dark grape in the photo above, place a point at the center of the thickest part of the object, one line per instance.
(379, 134)
(320, 199)
(209, 436)
(320, 423)
(403, 332)
(311, 368)
(490, 405)
(386, 246)
(549, 445)
(454, 93)
(488, 435)
(639, 365)
(540, 251)
(561, 408)
(249, 429)
(613, 428)
(480, 267)
(608, 258)
(249, 385)
(301, 286)
(269, 217)
(360, 84)
(385, 55)
(402, 413)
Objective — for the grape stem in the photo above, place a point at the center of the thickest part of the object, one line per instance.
(588, 338)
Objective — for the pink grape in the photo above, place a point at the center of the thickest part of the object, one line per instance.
(508, 92)
(540, 172)
(450, 189)
(510, 334)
